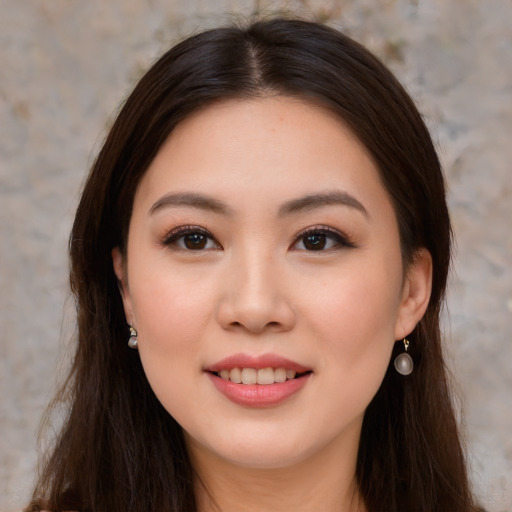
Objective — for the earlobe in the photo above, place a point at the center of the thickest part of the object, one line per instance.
(120, 272)
(416, 294)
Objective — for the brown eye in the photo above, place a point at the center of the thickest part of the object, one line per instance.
(195, 241)
(190, 238)
(314, 241)
(321, 239)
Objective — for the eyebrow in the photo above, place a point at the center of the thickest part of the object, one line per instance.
(190, 199)
(313, 201)
(309, 202)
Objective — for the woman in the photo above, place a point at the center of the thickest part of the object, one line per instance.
(259, 259)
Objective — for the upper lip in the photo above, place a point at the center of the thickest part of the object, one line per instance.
(256, 362)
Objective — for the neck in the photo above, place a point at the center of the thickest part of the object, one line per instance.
(325, 481)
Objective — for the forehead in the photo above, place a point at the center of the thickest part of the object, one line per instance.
(275, 145)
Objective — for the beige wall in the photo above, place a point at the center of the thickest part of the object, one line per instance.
(65, 66)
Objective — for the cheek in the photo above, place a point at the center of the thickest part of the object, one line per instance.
(172, 315)
(170, 306)
(359, 302)
(354, 324)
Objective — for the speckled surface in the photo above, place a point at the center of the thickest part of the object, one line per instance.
(66, 65)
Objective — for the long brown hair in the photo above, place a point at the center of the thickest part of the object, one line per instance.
(119, 449)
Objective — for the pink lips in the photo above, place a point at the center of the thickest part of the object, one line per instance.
(263, 361)
(258, 395)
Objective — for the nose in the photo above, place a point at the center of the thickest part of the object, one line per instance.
(255, 296)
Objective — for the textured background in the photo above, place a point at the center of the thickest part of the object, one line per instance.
(66, 65)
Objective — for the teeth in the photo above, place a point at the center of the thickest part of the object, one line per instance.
(249, 376)
(235, 375)
(279, 375)
(266, 376)
(290, 374)
(252, 376)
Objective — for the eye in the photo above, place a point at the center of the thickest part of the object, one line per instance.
(320, 239)
(191, 238)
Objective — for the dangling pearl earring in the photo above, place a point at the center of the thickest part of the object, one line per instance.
(132, 340)
(403, 362)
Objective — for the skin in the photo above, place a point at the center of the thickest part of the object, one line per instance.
(256, 288)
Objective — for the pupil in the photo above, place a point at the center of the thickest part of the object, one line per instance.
(195, 241)
(314, 242)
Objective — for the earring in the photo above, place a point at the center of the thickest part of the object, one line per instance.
(403, 362)
(132, 340)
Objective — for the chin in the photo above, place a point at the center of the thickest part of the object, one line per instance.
(262, 450)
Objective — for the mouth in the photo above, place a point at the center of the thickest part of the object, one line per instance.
(258, 381)
(262, 376)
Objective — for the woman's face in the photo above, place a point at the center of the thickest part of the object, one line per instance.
(263, 244)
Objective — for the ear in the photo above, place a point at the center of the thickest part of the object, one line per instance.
(120, 272)
(415, 294)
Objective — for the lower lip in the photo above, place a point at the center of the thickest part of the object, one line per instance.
(259, 395)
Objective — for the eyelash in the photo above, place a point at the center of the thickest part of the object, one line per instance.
(182, 231)
(340, 239)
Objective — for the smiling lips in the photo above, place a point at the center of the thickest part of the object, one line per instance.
(262, 381)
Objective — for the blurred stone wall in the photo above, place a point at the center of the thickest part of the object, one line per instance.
(67, 64)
